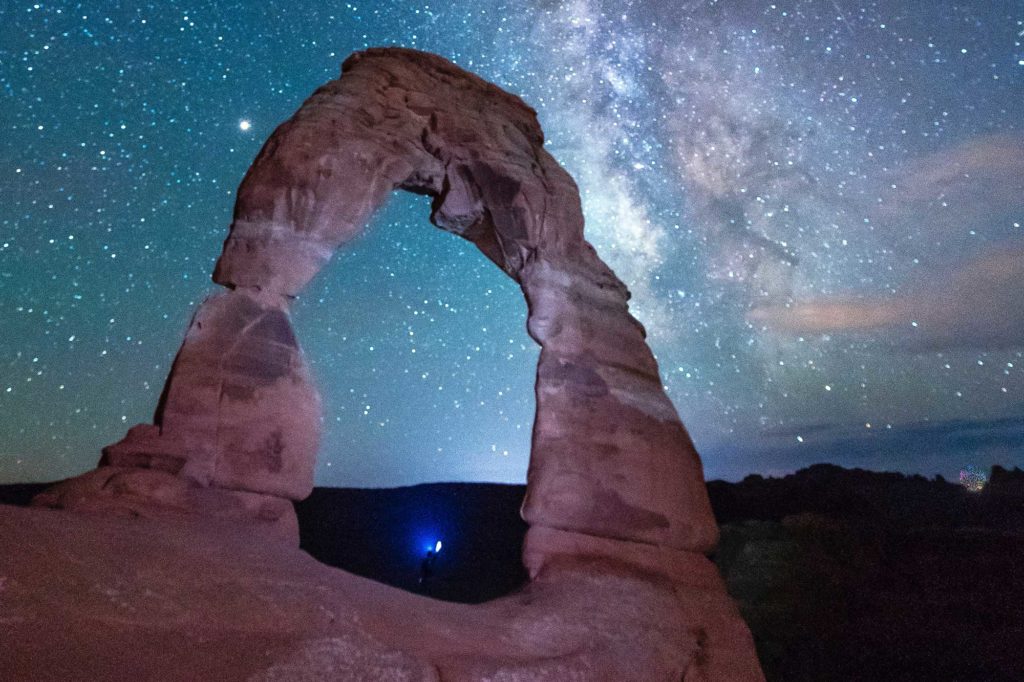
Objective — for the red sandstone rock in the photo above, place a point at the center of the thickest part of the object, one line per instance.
(616, 500)
(610, 456)
(239, 410)
(153, 494)
(92, 597)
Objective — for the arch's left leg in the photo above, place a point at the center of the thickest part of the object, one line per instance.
(235, 434)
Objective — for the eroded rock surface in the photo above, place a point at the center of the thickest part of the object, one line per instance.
(239, 410)
(94, 597)
(615, 487)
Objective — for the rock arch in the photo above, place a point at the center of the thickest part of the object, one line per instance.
(610, 457)
(613, 475)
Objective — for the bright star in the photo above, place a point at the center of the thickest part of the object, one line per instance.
(244, 124)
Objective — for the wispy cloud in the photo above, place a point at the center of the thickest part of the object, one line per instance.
(958, 186)
(977, 305)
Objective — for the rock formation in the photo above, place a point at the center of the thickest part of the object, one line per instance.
(615, 497)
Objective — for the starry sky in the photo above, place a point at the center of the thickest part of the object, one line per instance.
(817, 205)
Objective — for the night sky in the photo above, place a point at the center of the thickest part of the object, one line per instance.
(817, 205)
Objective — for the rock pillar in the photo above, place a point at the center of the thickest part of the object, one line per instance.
(610, 457)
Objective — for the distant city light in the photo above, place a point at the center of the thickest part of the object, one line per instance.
(973, 479)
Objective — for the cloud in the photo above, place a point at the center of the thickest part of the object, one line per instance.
(936, 206)
(980, 175)
(939, 207)
(825, 316)
(977, 305)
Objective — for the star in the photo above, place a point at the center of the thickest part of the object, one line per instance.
(244, 125)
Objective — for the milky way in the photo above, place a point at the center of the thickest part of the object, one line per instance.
(817, 207)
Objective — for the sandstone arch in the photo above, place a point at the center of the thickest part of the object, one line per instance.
(613, 476)
(610, 457)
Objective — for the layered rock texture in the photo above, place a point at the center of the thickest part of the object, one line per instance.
(619, 514)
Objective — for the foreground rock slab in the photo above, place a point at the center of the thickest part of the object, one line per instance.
(89, 596)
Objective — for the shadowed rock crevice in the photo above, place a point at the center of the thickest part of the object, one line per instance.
(614, 482)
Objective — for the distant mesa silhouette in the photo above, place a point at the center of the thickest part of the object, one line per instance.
(618, 513)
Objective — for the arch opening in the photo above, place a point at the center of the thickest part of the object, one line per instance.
(418, 345)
